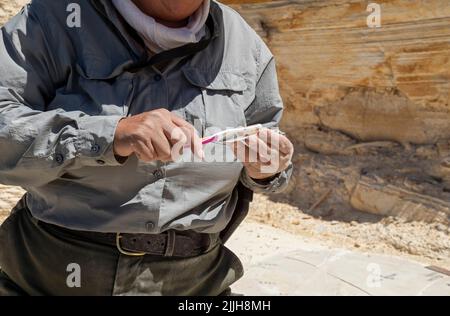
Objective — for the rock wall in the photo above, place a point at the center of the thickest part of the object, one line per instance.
(387, 83)
(368, 108)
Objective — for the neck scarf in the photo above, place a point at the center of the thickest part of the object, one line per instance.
(158, 37)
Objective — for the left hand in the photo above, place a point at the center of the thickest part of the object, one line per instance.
(265, 154)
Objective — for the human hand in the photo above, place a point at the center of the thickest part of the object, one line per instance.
(265, 154)
(152, 135)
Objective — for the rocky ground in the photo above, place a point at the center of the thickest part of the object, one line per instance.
(367, 192)
(424, 242)
(366, 196)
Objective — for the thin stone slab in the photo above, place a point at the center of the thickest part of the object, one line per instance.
(278, 263)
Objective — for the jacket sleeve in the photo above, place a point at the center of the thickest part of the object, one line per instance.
(266, 109)
(38, 146)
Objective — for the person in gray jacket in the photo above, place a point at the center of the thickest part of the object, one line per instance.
(94, 97)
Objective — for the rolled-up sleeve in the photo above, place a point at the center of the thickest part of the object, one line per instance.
(275, 184)
(266, 109)
(36, 145)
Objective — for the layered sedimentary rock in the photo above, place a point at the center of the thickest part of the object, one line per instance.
(390, 83)
(367, 107)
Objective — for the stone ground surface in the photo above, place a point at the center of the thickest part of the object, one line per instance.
(279, 263)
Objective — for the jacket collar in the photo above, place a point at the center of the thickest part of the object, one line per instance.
(133, 40)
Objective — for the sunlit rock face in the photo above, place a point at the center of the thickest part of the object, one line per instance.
(368, 108)
(387, 83)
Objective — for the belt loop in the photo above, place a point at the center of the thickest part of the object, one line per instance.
(170, 246)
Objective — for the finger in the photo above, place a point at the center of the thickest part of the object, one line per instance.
(265, 153)
(178, 120)
(241, 151)
(286, 146)
(191, 132)
(195, 142)
(259, 149)
(144, 151)
(268, 159)
(256, 151)
(174, 133)
(277, 142)
(252, 147)
(266, 135)
(271, 137)
(162, 146)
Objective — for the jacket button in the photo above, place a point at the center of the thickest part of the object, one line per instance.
(95, 148)
(158, 174)
(150, 226)
(157, 77)
(59, 158)
(101, 162)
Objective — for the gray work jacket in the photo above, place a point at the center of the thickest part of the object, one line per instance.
(63, 89)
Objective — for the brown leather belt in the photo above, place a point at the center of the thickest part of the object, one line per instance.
(168, 244)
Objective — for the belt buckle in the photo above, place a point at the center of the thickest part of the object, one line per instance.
(123, 251)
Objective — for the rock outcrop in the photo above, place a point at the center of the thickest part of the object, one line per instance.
(368, 108)
(389, 83)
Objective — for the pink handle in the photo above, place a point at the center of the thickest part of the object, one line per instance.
(205, 141)
(209, 140)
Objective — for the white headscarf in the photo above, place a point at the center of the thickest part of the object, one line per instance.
(158, 37)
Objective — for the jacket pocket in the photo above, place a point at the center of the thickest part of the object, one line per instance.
(225, 98)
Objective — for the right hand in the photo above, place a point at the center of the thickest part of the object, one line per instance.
(152, 135)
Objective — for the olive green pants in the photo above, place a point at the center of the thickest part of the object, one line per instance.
(36, 261)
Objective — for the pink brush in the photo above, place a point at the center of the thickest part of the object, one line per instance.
(231, 135)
